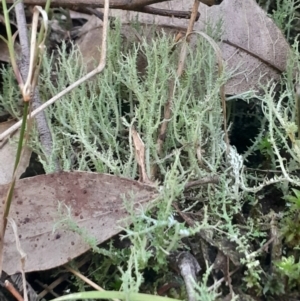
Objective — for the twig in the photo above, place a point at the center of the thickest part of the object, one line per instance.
(229, 280)
(59, 280)
(17, 282)
(47, 289)
(145, 9)
(86, 280)
(263, 170)
(262, 248)
(165, 12)
(203, 181)
(218, 283)
(12, 290)
(122, 4)
(297, 102)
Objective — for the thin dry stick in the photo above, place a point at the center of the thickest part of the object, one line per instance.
(168, 105)
(218, 283)
(203, 181)
(62, 278)
(122, 4)
(50, 287)
(145, 9)
(12, 290)
(229, 280)
(47, 289)
(77, 83)
(87, 280)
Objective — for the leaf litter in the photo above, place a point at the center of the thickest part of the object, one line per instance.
(92, 201)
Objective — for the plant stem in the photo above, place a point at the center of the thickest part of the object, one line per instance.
(10, 43)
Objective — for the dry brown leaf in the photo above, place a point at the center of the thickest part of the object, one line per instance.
(8, 151)
(96, 204)
(140, 156)
(252, 44)
(89, 41)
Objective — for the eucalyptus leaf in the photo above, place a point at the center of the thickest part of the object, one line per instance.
(57, 215)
